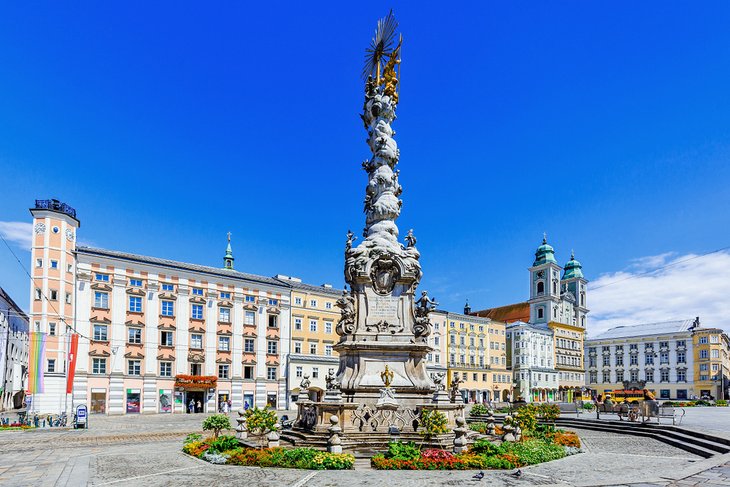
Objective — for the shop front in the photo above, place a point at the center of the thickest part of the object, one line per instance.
(98, 401)
(133, 401)
(195, 390)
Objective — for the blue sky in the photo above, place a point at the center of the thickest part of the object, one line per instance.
(168, 125)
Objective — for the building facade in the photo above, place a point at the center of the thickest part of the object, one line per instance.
(14, 345)
(478, 357)
(676, 360)
(531, 355)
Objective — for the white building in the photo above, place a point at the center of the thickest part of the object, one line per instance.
(531, 350)
(13, 353)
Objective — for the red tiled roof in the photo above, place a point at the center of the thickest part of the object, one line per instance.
(507, 314)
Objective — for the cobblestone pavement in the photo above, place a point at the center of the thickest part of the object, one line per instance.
(145, 451)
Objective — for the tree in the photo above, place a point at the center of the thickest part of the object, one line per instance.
(216, 424)
(260, 421)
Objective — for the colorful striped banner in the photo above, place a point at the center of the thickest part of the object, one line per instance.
(35, 362)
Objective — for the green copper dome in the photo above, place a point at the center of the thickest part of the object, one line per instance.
(573, 268)
(545, 253)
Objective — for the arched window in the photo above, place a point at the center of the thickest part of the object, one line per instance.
(540, 287)
(555, 287)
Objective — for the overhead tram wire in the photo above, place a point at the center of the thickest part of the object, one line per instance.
(50, 303)
(641, 274)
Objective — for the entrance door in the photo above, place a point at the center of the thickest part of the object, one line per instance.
(194, 401)
(98, 402)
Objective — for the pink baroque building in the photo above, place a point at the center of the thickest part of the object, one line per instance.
(156, 336)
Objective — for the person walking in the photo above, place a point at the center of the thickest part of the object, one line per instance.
(191, 406)
(199, 408)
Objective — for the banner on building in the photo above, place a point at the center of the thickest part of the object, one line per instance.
(72, 362)
(35, 362)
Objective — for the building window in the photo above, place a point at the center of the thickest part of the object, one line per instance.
(135, 304)
(197, 291)
(271, 373)
(299, 372)
(223, 371)
(540, 288)
(313, 303)
(248, 372)
(224, 344)
(703, 353)
(101, 277)
(135, 282)
(134, 367)
(54, 264)
(273, 302)
(166, 338)
(250, 299)
(196, 341)
(225, 295)
(649, 375)
(328, 327)
(98, 366)
(634, 375)
(273, 321)
(606, 376)
(297, 300)
(197, 312)
(297, 347)
(248, 345)
(100, 333)
(312, 325)
(681, 376)
(619, 359)
(168, 287)
(664, 375)
(250, 318)
(54, 295)
(315, 372)
(271, 347)
(328, 350)
(51, 329)
(702, 340)
(328, 305)
(715, 353)
(68, 298)
(297, 323)
(620, 376)
(37, 294)
(540, 313)
(101, 300)
(224, 315)
(39, 262)
(313, 348)
(664, 358)
(134, 335)
(165, 369)
(51, 367)
(649, 359)
(168, 308)
(634, 360)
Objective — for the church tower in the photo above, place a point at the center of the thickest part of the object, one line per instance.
(228, 258)
(574, 283)
(544, 285)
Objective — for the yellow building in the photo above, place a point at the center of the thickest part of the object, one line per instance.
(314, 316)
(477, 357)
(568, 347)
(711, 362)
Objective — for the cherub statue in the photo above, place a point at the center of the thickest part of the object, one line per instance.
(410, 239)
(350, 238)
(454, 391)
(331, 380)
(438, 380)
(304, 384)
(425, 304)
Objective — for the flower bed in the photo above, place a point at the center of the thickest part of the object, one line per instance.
(15, 427)
(482, 455)
(226, 450)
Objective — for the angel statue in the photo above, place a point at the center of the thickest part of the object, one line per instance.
(410, 239)
(331, 380)
(350, 238)
(438, 380)
(424, 305)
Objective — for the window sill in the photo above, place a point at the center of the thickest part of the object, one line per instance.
(99, 308)
(167, 316)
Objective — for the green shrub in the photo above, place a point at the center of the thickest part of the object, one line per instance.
(479, 410)
(479, 427)
(434, 423)
(403, 451)
(216, 423)
(531, 452)
(588, 405)
(669, 404)
(223, 443)
(485, 447)
(703, 403)
(307, 458)
(721, 402)
(548, 412)
(192, 437)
